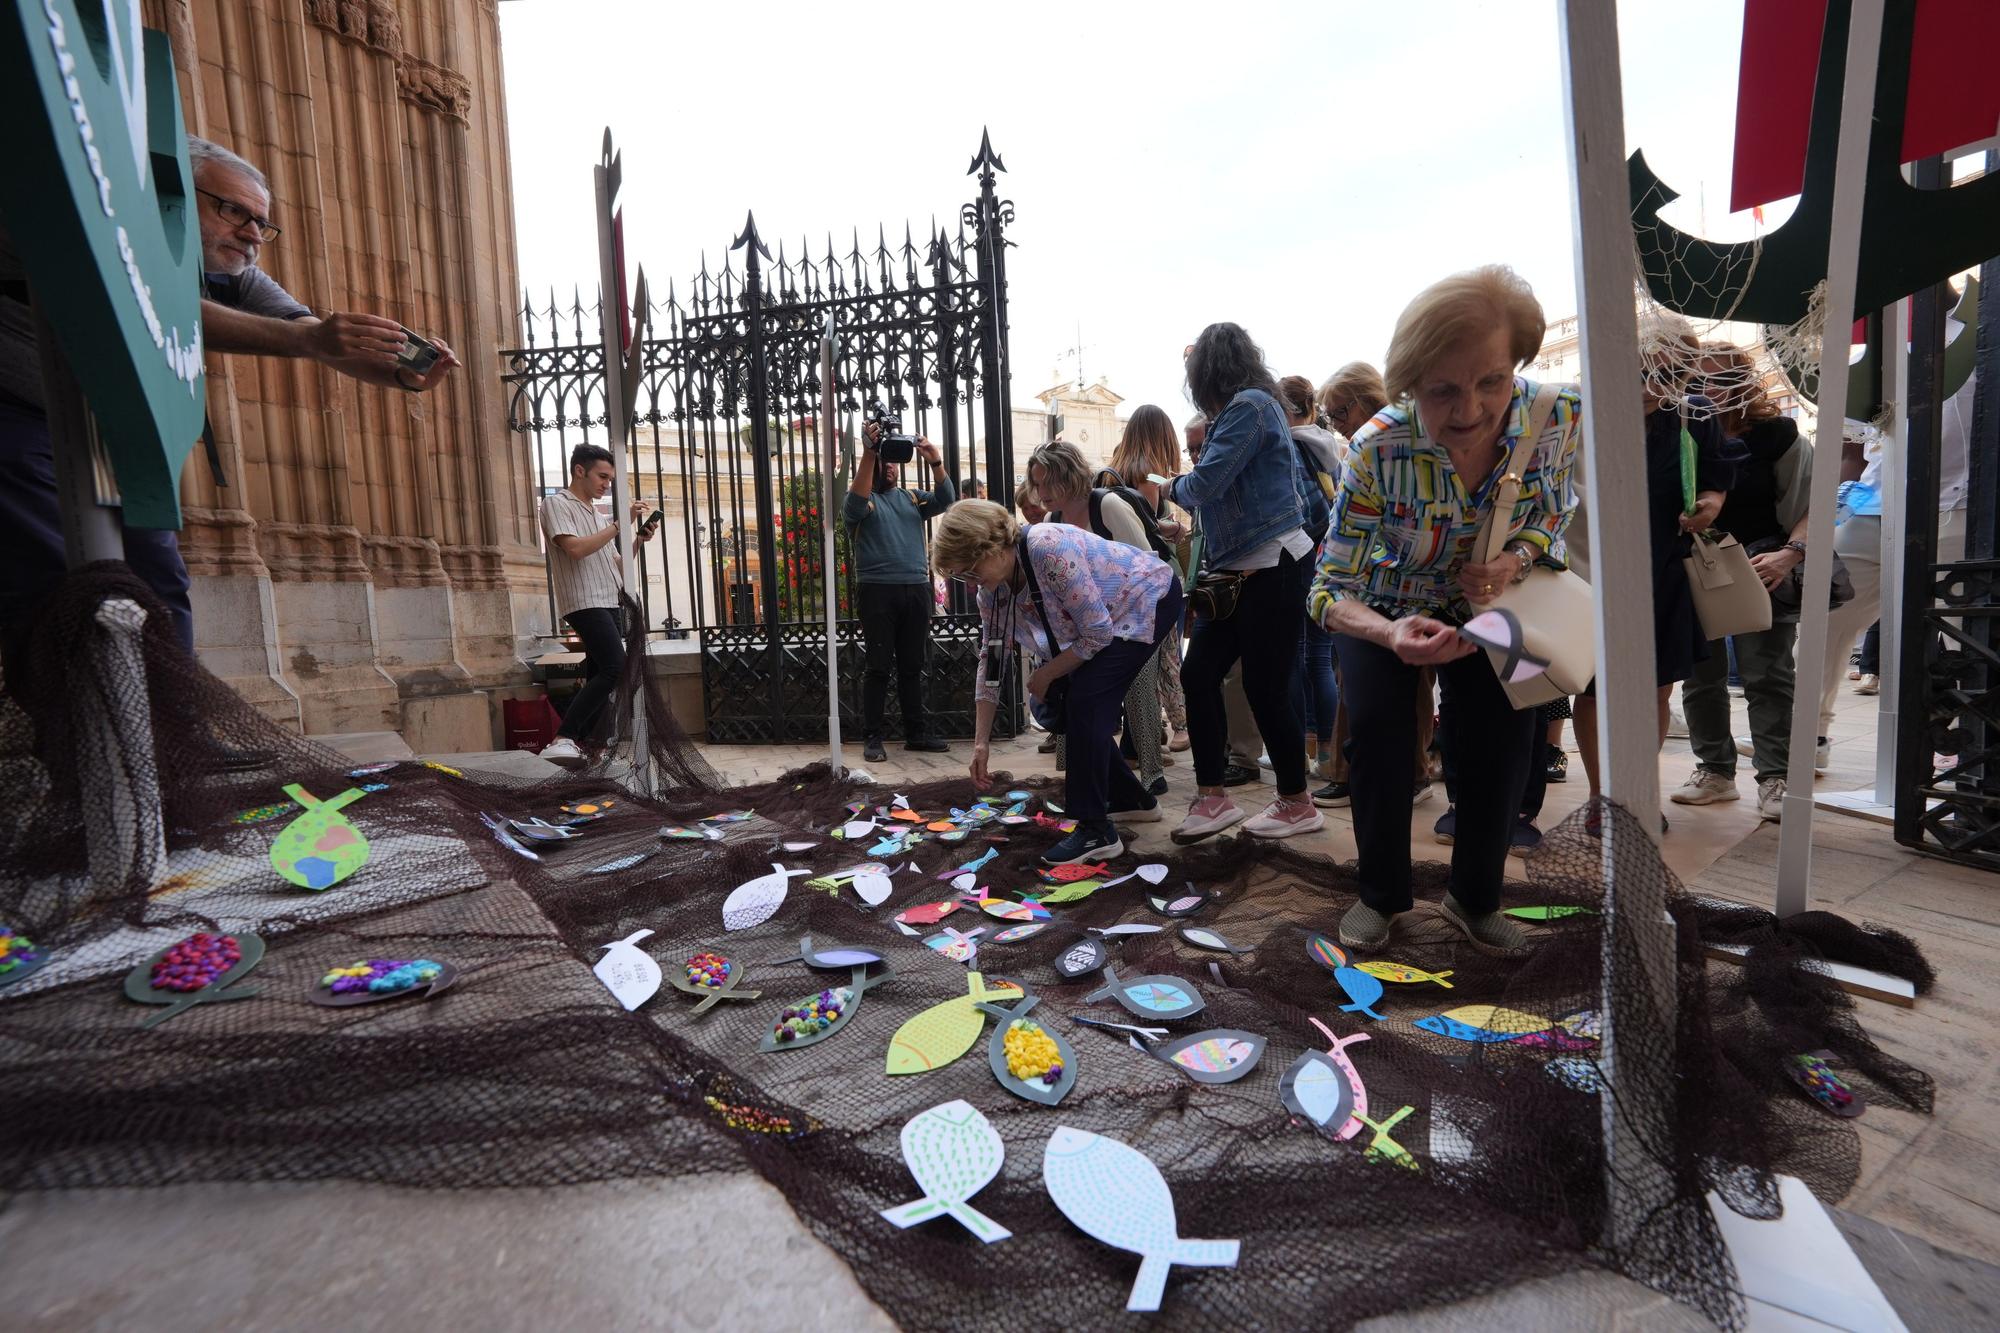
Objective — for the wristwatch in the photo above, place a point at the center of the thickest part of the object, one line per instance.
(1798, 546)
(1526, 555)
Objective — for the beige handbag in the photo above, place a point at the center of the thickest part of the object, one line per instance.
(1551, 612)
(1729, 598)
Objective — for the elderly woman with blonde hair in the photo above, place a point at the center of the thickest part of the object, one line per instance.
(1397, 576)
(1092, 613)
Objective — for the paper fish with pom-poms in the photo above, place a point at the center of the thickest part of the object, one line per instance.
(19, 956)
(320, 848)
(1114, 1194)
(821, 1015)
(1029, 1059)
(940, 1034)
(756, 901)
(1324, 1089)
(1149, 996)
(1483, 1023)
(713, 978)
(368, 980)
(201, 968)
(628, 971)
(1403, 974)
(953, 1153)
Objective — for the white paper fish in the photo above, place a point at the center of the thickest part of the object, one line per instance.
(628, 971)
(857, 828)
(1152, 873)
(1115, 1194)
(953, 1153)
(753, 902)
(874, 889)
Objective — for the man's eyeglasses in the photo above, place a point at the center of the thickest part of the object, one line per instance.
(236, 215)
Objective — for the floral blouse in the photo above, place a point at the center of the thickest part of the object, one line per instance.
(1093, 591)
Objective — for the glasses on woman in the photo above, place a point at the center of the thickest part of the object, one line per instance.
(969, 578)
(237, 216)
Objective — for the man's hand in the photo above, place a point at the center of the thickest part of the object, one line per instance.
(1422, 641)
(1774, 567)
(362, 340)
(930, 452)
(639, 511)
(981, 778)
(870, 433)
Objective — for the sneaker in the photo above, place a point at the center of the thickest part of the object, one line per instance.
(1238, 775)
(872, 750)
(562, 750)
(1525, 838)
(1557, 767)
(1677, 724)
(1048, 745)
(1446, 829)
(1746, 747)
(1333, 795)
(1264, 760)
(1208, 816)
(1705, 786)
(1085, 844)
(1422, 792)
(1771, 799)
(1822, 756)
(1158, 786)
(1870, 683)
(926, 745)
(1286, 818)
(1491, 930)
(1364, 928)
(1140, 814)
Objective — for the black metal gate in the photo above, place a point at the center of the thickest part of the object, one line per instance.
(728, 441)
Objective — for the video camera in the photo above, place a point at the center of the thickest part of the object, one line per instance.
(892, 446)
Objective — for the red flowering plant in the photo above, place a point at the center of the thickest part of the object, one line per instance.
(802, 551)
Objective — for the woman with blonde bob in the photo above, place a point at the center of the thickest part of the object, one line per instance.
(1397, 576)
(1092, 613)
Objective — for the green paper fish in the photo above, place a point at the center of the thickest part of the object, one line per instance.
(320, 848)
(1555, 913)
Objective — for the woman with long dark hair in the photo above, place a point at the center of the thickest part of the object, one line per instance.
(1249, 492)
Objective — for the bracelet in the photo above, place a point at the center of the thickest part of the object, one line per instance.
(1526, 555)
(1798, 546)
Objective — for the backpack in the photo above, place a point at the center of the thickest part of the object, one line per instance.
(1321, 488)
(1160, 545)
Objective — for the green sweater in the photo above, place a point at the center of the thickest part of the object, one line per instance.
(887, 532)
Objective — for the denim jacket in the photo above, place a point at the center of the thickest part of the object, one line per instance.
(1247, 487)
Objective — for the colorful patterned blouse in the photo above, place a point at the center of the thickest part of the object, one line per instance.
(1403, 521)
(1093, 590)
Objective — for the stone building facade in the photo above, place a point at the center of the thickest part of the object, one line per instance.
(372, 563)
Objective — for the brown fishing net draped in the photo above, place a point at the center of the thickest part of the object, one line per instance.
(527, 1071)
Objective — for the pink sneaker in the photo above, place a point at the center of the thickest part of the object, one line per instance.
(1208, 816)
(1286, 818)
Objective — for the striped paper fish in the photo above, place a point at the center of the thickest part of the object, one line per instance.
(1403, 973)
(1325, 952)
(1220, 1055)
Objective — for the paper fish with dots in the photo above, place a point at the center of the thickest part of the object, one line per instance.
(629, 972)
(755, 901)
(1113, 1193)
(953, 1152)
(320, 848)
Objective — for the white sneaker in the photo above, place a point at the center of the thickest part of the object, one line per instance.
(1145, 814)
(1208, 816)
(1280, 819)
(1822, 756)
(1868, 684)
(1746, 747)
(1677, 725)
(1422, 792)
(562, 750)
(1264, 760)
(1705, 787)
(1771, 799)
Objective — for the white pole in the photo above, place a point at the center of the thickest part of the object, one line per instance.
(1895, 390)
(1637, 1008)
(830, 581)
(1857, 102)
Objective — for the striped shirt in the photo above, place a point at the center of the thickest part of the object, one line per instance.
(1403, 522)
(591, 581)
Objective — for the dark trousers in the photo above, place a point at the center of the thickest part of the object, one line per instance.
(1492, 746)
(603, 662)
(1870, 658)
(1532, 795)
(1096, 781)
(1264, 633)
(1315, 691)
(31, 538)
(896, 631)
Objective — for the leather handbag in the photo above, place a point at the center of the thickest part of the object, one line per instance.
(1729, 598)
(1553, 608)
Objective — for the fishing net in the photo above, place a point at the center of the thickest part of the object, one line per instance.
(526, 1071)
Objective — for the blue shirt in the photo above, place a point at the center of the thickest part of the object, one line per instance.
(886, 531)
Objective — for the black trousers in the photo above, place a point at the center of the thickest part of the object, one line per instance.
(896, 631)
(1096, 781)
(1537, 789)
(1492, 746)
(603, 662)
(1264, 632)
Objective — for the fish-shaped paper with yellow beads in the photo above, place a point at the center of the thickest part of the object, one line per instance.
(943, 1032)
(320, 848)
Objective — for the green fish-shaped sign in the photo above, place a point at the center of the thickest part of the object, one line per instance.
(319, 848)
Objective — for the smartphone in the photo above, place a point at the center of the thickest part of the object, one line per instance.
(1159, 480)
(418, 354)
(652, 523)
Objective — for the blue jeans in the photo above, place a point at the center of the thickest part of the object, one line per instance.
(1315, 692)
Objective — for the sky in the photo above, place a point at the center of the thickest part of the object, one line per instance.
(1303, 169)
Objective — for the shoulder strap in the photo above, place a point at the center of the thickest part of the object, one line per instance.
(1035, 593)
(1493, 534)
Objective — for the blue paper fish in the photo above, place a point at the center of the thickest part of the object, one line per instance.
(1114, 1193)
(1362, 989)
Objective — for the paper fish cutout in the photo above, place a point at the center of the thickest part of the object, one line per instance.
(803, 846)
(712, 977)
(681, 831)
(1125, 928)
(1817, 1079)
(1186, 903)
(1017, 796)
(1051, 806)
(592, 807)
(534, 831)
(1114, 1194)
(369, 770)
(960, 946)
(1029, 1059)
(1219, 1055)
(1073, 872)
(854, 828)
(873, 889)
(199, 969)
(1081, 959)
(1586, 1023)
(621, 863)
(941, 826)
(1483, 1023)
(1324, 1089)
(1403, 973)
(726, 817)
(1201, 937)
(926, 914)
(1555, 913)
(1362, 991)
(505, 837)
(1015, 934)
(1382, 1148)
(628, 971)
(1576, 1073)
(320, 848)
(1025, 910)
(1325, 952)
(1555, 1039)
(1152, 873)
(1499, 632)
(368, 980)
(19, 956)
(1068, 893)
(940, 1034)
(819, 1016)
(952, 1153)
(831, 960)
(755, 901)
(257, 814)
(906, 814)
(1149, 996)
(971, 866)
(1058, 825)
(847, 876)
(893, 845)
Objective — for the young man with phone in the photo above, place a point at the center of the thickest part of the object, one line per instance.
(584, 576)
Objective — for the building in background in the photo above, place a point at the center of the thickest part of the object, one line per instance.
(1090, 420)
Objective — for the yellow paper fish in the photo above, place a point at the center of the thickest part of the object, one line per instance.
(943, 1032)
(1403, 972)
(1494, 1018)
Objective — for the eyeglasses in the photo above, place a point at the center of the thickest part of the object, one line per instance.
(970, 578)
(236, 216)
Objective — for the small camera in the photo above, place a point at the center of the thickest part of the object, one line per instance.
(892, 446)
(417, 355)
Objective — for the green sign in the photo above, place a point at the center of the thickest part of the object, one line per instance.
(97, 199)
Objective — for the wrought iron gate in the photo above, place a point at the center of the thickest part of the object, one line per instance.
(728, 441)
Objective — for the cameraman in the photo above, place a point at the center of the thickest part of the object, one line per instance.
(885, 524)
